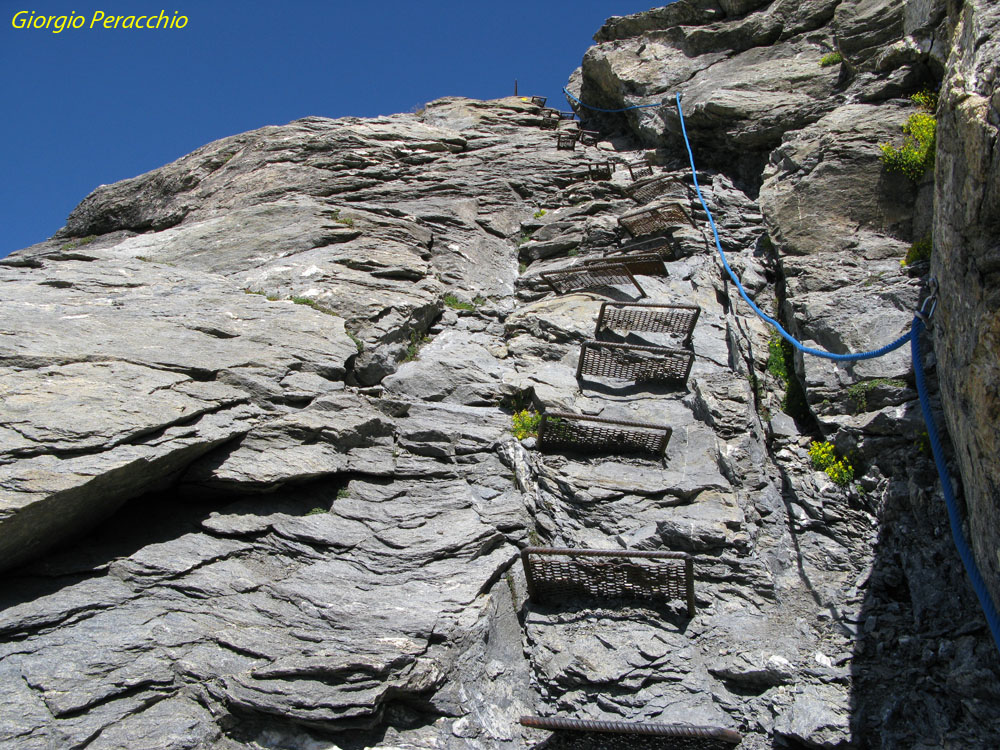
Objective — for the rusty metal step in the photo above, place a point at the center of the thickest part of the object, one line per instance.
(556, 574)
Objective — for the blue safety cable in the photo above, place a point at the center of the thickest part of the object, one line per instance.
(913, 336)
(601, 109)
(955, 519)
(784, 334)
(978, 585)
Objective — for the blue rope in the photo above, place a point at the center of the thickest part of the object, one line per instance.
(954, 518)
(784, 334)
(601, 109)
(913, 336)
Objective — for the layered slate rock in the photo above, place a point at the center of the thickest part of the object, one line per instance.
(120, 374)
(273, 611)
(298, 350)
(219, 268)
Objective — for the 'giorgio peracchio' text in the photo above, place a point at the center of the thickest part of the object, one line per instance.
(28, 19)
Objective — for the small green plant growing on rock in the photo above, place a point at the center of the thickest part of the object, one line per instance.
(822, 454)
(525, 424)
(919, 250)
(834, 58)
(781, 365)
(540, 213)
(916, 155)
(877, 276)
(456, 304)
(316, 511)
(265, 295)
(346, 221)
(573, 252)
(80, 242)
(776, 359)
(417, 340)
(309, 302)
(357, 342)
(841, 472)
(858, 392)
(522, 267)
(824, 458)
(525, 237)
(927, 100)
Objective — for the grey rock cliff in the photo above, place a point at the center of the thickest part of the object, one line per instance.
(967, 264)
(259, 487)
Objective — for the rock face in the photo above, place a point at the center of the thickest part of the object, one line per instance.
(259, 482)
(967, 265)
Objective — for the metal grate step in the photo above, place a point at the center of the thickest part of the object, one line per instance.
(557, 573)
(590, 277)
(566, 140)
(600, 170)
(646, 264)
(646, 190)
(562, 430)
(650, 317)
(662, 245)
(656, 219)
(638, 170)
(550, 118)
(638, 364)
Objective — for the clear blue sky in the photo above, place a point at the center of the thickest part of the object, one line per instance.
(92, 105)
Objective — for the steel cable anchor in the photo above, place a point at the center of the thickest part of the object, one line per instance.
(926, 311)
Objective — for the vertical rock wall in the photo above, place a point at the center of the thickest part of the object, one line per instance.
(966, 262)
